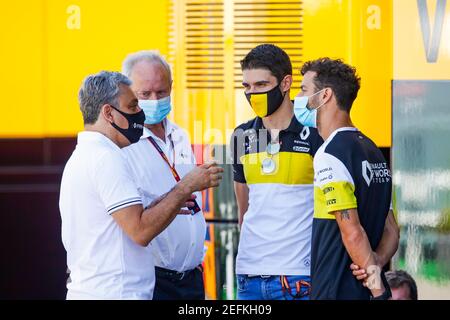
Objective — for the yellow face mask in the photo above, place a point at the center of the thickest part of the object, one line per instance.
(266, 103)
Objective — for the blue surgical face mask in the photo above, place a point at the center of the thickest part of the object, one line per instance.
(155, 110)
(304, 113)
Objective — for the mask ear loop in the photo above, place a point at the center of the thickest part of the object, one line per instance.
(314, 95)
(112, 118)
(284, 93)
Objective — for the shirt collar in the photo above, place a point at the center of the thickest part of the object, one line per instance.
(335, 132)
(95, 136)
(169, 128)
(294, 126)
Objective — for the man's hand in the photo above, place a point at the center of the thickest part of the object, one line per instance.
(189, 203)
(358, 272)
(361, 274)
(206, 176)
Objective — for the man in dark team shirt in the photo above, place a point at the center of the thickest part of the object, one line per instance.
(352, 189)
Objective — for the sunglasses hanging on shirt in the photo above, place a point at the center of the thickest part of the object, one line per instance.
(268, 165)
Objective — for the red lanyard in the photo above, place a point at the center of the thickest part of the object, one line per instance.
(163, 155)
(196, 208)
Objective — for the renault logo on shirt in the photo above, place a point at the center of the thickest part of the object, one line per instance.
(375, 172)
(367, 172)
(305, 133)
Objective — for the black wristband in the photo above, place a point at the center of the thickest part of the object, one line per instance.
(387, 294)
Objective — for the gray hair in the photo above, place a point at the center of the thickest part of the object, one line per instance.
(97, 90)
(152, 56)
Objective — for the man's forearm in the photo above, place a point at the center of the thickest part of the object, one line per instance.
(389, 241)
(242, 211)
(241, 192)
(159, 216)
(386, 249)
(358, 247)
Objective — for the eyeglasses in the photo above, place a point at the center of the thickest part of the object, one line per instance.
(268, 165)
(147, 95)
(143, 95)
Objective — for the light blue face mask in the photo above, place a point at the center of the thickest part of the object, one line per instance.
(155, 110)
(304, 113)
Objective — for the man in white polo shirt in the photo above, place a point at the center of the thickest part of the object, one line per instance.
(105, 229)
(162, 156)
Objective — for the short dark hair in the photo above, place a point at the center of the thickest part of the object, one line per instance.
(398, 278)
(269, 57)
(338, 76)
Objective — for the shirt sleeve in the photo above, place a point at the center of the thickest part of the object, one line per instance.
(335, 183)
(114, 183)
(236, 153)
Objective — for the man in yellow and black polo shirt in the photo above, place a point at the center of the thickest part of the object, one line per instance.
(273, 174)
(352, 220)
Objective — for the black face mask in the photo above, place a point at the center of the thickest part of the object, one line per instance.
(266, 103)
(135, 125)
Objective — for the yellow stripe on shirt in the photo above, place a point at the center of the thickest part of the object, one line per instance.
(333, 196)
(292, 168)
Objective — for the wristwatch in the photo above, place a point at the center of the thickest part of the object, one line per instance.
(387, 292)
(385, 296)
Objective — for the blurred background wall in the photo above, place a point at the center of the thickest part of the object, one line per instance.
(420, 145)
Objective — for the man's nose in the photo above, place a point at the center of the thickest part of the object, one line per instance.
(153, 96)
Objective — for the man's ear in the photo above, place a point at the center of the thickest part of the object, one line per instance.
(106, 113)
(327, 94)
(286, 83)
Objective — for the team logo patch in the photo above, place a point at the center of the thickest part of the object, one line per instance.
(300, 149)
(375, 172)
(367, 172)
(307, 263)
(305, 133)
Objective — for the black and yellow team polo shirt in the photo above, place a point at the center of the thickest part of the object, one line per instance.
(275, 237)
(350, 172)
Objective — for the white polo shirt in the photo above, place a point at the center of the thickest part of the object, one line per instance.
(104, 262)
(275, 237)
(180, 246)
